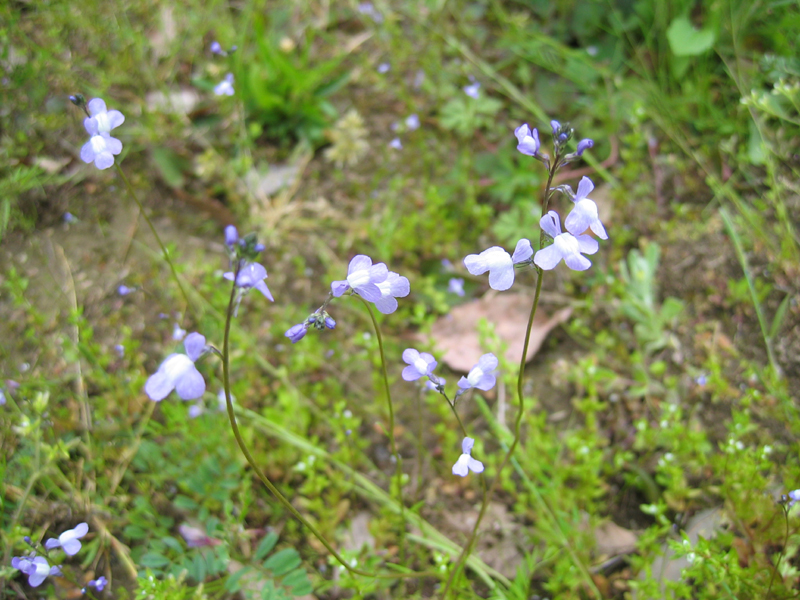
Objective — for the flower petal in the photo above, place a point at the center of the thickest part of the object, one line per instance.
(95, 106)
(585, 187)
(369, 292)
(547, 258)
(462, 465)
(587, 244)
(194, 344)
(71, 547)
(476, 264)
(87, 152)
(386, 304)
(115, 118)
(522, 252)
(467, 444)
(410, 355)
(359, 263)
(577, 262)
(501, 278)
(411, 373)
(104, 160)
(339, 287)
(158, 386)
(261, 286)
(474, 465)
(551, 224)
(191, 385)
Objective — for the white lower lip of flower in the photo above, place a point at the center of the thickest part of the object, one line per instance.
(358, 279)
(177, 366)
(420, 365)
(98, 144)
(567, 244)
(475, 376)
(103, 122)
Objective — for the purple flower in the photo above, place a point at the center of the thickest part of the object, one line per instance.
(565, 246)
(362, 277)
(195, 410)
(36, 568)
(396, 144)
(2, 397)
(556, 126)
(456, 286)
(124, 290)
(412, 122)
(481, 376)
(98, 584)
(178, 373)
(473, 89)
(584, 215)
(465, 462)
(231, 236)
(794, 497)
(216, 48)
(366, 8)
(251, 275)
(420, 364)
(120, 350)
(297, 332)
(69, 539)
(433, 386)
(528, 141)
(70, 218)
(101, 147)
(499, 264)
(384, 67)
(584, 145)
(394, 286)
(225, 87)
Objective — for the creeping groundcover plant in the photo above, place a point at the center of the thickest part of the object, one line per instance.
(372, 287)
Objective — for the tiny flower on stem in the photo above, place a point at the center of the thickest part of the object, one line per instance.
(584, 216)
(178, 373)
(251, 276)
(584, 145)
(528, 140)
(565, 246)
(473, 90)
(794, 498)
(36, 568)
(499, 263)
(225, 87)
(465, 462)
(363, 278)
(68, 540)
(101, 147)
(297, 332)
(396, 144)
(481, 376)
(420, 364)
(456, 286)
(412, 122)
(98, 584)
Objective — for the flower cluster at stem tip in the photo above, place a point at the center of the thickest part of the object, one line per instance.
(570, 245)
(101, 147)
(373, 283)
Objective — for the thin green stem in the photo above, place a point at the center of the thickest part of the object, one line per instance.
(395, 453)
(164, 250)
(260, 474)
(780, 556)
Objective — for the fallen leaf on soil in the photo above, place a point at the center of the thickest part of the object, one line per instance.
(613, 540)
(456, 334)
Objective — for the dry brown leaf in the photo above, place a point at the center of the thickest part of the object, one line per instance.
(456, 334)
(613, 540)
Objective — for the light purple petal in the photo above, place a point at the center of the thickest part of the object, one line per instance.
(577, 262)
(71, 546)
(522, 132)
(112, 144)
(475, 466)
(587, 244)
(158, 386)
(55, 570)
(464, 383)
(476, 264)
(378, 273)
(95, 106)
(104, 160)
(501, 278)
(410, 373)
(194, 344)
(87, 152)
(115, 118)
(585, 187)
(598, 229)
(339, 287)
(386, 304)
(359, 263)
(578, 220)
(467, 444)
(410, 355)
(486, 382)
(400, 287)
(370, 292)
(487, 362)
(191, 385)
(547, 258)
(52, 543)
(91, 126)
(261, 286)
(551, 224)
(522, 252)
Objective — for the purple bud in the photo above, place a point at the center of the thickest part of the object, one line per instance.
(330, 323)
(259, 247)
(584, 145)
(297, 332)
(556, 126)
(27, 539)
(216, 48)
(69, 217)
(231, 236)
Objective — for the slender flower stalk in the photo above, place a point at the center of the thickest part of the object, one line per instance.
(226, 382)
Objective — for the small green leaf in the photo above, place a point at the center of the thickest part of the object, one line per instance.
(266, 545)
(294, 578)
(302, 589)
(283, 561)
(685, 40)
(232, 584)
(154, 560)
